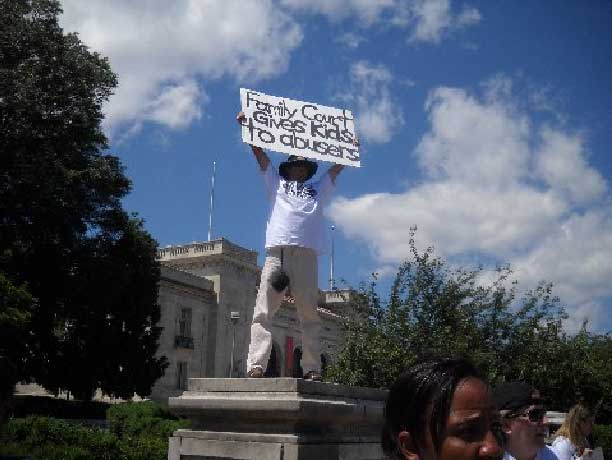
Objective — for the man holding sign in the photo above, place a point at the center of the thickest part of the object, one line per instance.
(295, 231)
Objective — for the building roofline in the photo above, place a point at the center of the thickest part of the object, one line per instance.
(191, 280)
(176, 254)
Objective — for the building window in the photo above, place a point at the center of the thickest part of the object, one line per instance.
(185, 322)
(183, 338)
(181, 375)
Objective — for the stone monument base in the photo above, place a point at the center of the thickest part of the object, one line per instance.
(277, 419)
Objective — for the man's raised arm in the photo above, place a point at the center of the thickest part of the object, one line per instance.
(259, 153)
(334, 170)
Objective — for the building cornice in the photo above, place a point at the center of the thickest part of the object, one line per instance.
(221, 250)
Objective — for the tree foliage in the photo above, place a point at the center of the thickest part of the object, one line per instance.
(90, 266)
(436, 309)
(15, 313)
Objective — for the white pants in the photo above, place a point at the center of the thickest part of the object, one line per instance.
(301, 266)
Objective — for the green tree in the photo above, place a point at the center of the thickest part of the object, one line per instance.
(89, 265)
(15, 311)
(433, 309)
(598, 358)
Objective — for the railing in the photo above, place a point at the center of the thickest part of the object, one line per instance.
(181, 341)
(337, 296)
(220, 246)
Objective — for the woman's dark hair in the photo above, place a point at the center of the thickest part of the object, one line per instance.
(423, 391)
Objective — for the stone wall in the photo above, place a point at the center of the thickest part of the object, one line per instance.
(184, 339)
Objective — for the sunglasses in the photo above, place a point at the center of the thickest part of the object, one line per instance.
(534, 415)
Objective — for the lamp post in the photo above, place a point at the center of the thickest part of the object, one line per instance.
(234, 317)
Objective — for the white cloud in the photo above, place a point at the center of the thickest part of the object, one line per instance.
(426, 20)
(377, 116)
(546, 99)
(468, 16)
(452, 216)
(497, 185)
(337, 10)
(561, 163)
(589, 311)
(433, 19)
(473, 142)
(384, 271)
(350, 40)
(177, 106)
(156, 46)
(577, 255)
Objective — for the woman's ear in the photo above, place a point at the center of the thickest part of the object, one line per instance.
(407, 446)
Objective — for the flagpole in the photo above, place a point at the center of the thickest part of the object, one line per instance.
(331, 261)
(212, 201)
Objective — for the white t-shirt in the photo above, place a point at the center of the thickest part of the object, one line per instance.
(564, 448)
(296, 211)
(545, 453)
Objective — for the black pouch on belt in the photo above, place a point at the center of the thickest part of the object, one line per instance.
(279, 279)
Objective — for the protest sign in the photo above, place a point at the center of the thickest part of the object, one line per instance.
(299, 128)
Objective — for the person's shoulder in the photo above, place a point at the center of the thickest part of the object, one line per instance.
(546, 453)
(561, 441)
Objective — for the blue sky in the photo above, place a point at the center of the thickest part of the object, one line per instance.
(486, 124)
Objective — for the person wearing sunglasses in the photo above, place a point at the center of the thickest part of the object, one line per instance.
(523, 422)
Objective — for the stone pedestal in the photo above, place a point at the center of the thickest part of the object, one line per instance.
(277, 419)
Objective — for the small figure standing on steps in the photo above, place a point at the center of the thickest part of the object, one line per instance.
(294, 237)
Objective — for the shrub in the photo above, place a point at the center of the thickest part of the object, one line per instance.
(147, 418)
(143, 429)
(11, 448)
(603, 438)
(44, 406)
(46, 452)
(137, 431)
(145, 448)
(51, 439)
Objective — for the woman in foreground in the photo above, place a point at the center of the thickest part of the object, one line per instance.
(440, 409)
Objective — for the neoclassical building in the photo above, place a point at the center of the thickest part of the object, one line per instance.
(207, 295)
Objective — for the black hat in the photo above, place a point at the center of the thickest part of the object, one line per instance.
(295, 160)
(515, 395)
